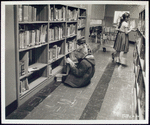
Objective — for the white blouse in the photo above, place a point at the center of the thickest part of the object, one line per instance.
(123, 26)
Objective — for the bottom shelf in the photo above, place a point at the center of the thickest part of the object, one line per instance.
(34, 84)
(56, 70)
(37, 85)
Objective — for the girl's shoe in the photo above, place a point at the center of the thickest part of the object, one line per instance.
(113, 56)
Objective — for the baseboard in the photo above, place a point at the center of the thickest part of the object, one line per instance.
(10, 108)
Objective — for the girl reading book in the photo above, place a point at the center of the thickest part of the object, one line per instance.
(80, 74)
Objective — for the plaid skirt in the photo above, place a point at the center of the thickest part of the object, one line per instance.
(122, 42)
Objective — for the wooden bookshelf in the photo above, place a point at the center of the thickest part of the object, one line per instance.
(45, 35)
(139, 68)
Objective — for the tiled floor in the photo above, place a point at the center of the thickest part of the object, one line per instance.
(108, 97)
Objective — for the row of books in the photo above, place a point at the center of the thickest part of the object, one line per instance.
(54, 52)
(136, 59)
(31, 37)
(141, 23)
(70, 45)
(109, 36)
(80, 33)
(57, 14)
(24, 85)
(109, 29)
(56, 32)
(28, 13)
(71, 28)
(141, 47)
(72, 15)
(81, 23)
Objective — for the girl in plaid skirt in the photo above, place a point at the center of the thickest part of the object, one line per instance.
(122, 41)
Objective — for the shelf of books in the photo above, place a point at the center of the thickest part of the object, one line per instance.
(139, 68)
(45, 35)
(108, 37)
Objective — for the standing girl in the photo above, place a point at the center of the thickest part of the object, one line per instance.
(122, 41)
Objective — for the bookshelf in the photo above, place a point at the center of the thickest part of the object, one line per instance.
(108, 37)
(45, 35)
(139, 70)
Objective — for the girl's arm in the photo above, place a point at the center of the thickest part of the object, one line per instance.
(127, 30)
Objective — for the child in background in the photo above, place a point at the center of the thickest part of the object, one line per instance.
(122, 41)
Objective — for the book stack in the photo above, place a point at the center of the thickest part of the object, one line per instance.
(54, 52)
(28, 13)
(31, 37)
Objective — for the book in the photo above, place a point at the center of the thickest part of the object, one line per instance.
(52, 13)
(41, 35)
(27, 39)
(50, 70)
(37, 36)
(64, 13)
(20, 13)
(32, 37)
(49, 13)
(34, 9)
(25, 13)
(44, 33)
(50, 55)
(58, 51)
(53, 53)
(30, 13)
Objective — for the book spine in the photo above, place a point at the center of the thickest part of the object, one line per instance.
(52, 13)
(37, 37)
(50, 70)
(30, 13)
(34, 13)
(20, 13)
(33, 37)
(21, 87)
(49, 13)
(25, 13)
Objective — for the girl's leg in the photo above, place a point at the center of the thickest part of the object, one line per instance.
(118, 57)
(124, 59)
(114, 54)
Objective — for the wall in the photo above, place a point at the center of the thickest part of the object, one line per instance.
(97, 11)
(10, 74)
(110, 9)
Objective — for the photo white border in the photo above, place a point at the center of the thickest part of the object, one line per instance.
(70, 121)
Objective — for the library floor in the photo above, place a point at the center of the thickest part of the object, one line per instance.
(108, 97)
